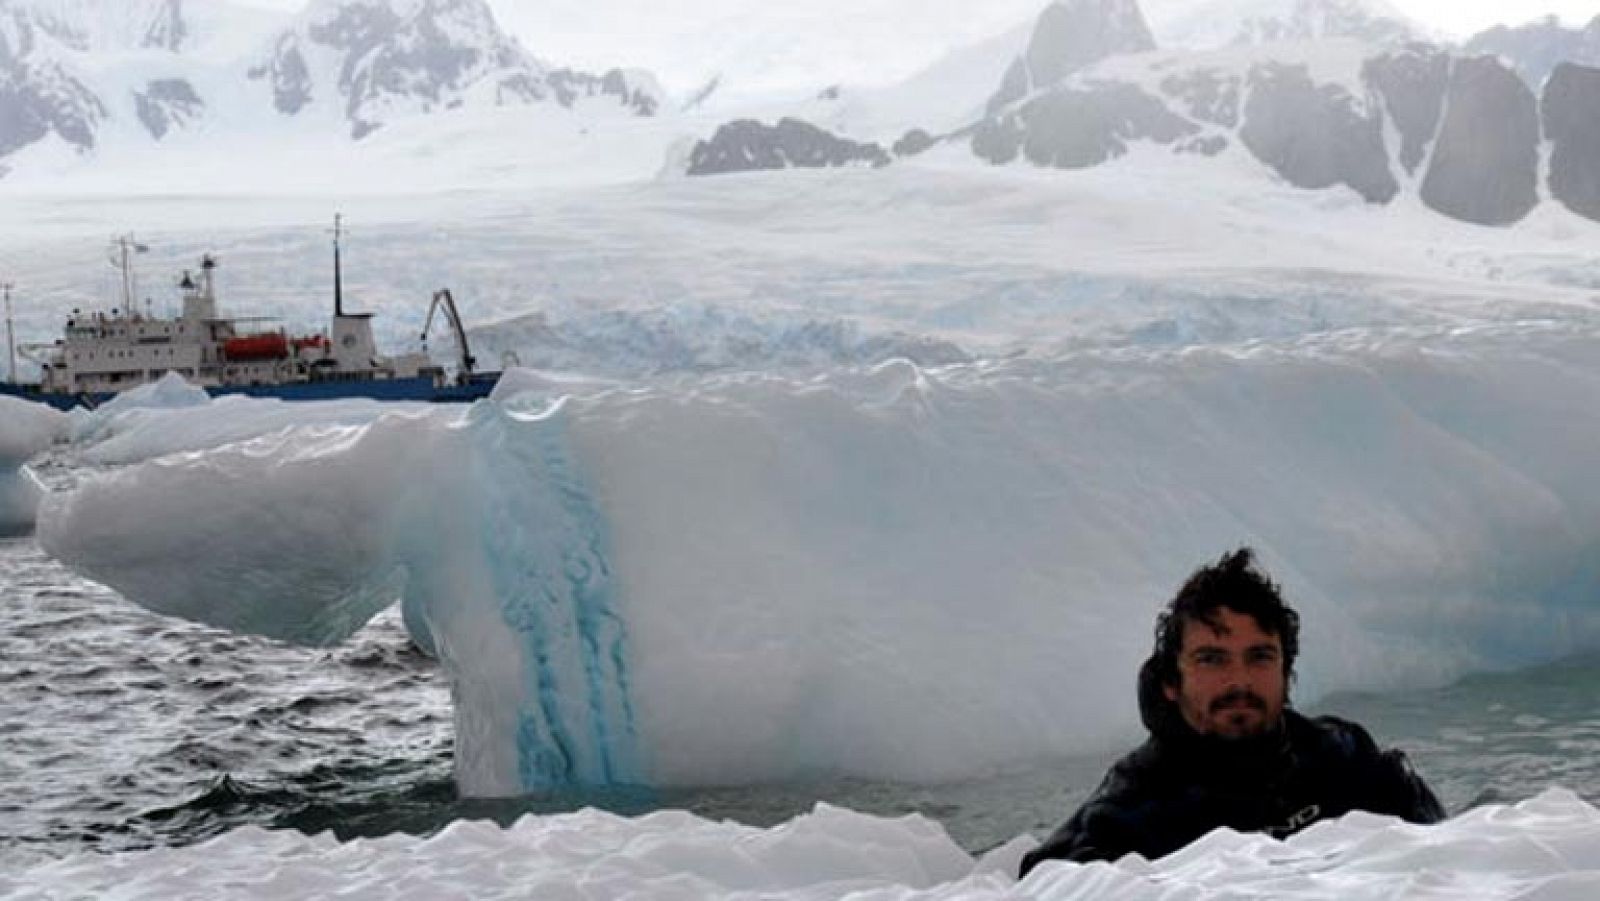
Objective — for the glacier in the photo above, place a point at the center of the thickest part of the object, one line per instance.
(888, 572)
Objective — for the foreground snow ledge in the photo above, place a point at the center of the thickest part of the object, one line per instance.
(1546, 848)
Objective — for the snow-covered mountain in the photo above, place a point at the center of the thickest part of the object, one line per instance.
(1331, 100)
(375, 60)
(1370, 115)
(75, 74)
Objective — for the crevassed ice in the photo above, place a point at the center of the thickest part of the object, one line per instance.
(891, 573)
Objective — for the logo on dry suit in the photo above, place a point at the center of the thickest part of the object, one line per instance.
(1298, 821)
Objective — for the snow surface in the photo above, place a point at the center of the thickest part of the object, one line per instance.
(1545, 848)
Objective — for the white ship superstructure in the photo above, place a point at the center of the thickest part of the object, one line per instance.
(103, 353)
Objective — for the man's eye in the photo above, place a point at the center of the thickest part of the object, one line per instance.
(1262, 656)
(1210, 658)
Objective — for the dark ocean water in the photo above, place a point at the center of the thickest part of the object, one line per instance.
(122, 730)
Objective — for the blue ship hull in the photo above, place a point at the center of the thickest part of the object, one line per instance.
(421, 388)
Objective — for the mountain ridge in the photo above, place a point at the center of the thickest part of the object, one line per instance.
(81, 69)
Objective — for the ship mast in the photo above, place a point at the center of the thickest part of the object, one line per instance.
(122, 246)
(338, 286)
(11, 335)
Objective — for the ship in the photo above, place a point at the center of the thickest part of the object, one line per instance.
(102, 354)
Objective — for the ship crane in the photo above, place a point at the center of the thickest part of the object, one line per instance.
(443, 300)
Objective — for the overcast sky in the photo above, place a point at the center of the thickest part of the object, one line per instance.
(686, 41)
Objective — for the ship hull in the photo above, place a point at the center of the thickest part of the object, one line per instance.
(421, 388)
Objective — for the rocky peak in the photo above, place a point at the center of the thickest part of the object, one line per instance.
(1571, 96)
(1071, 35)
(380, 59)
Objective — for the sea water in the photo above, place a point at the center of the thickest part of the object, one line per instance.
(124, 730)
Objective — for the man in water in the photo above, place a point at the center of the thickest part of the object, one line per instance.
(1225, 749)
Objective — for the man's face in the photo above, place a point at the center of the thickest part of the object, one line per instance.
(1230, 679)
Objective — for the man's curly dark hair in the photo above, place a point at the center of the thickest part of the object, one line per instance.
(1233, 582)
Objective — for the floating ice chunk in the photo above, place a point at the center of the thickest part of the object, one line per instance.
(1546, 848)
(170, 392)
(26, 430)
(20, 492)
(133, 434)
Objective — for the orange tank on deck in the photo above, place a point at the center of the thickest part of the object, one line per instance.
(265, 346)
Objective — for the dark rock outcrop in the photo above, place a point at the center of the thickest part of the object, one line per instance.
(387, 55)
(1313, 136)
(38, 98)
(913, 142)
(570, 86)
(1073, 128)
(1412, 84)
(1485, 166)
(168, 30)
(1535, 49)
(291, 80)
(1070, 35)
(1571, 108)
(165, 104)
(746, 145)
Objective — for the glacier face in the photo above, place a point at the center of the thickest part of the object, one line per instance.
(888, 572)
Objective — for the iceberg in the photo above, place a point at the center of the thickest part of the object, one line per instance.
(889, 572)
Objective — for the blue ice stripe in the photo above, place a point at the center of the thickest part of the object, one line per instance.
(560, 599)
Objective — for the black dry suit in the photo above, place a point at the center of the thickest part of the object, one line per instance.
(1180, 785)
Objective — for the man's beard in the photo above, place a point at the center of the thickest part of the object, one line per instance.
(1239, 697)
